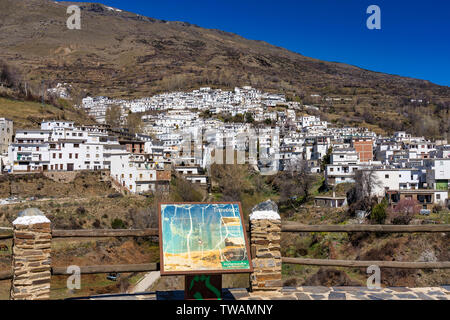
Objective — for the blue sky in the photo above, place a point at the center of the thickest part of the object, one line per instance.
(414, 39)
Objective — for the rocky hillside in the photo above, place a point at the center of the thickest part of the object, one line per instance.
(120, 50)
(117, 53)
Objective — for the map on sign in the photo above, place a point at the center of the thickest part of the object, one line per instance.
(203, 237)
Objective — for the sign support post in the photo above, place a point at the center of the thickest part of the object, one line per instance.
(202, 241)
(203, 287)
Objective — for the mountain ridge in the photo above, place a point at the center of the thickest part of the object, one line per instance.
(151, 38)
(126, 55)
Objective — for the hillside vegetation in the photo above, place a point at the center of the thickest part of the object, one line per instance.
(97, 206)
(23, 102)
(30, 114)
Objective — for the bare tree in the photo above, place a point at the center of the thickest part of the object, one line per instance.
(404, 212)
(8, 76)
(294, 182)
(112, 116)
(143, 218)
(300, 170)
(360, 196)
(187, 191)
(231, 180)
(367, 181)
(134, 123)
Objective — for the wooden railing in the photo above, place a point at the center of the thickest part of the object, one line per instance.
(6, 237)
(144, 267)
(98, 233)
(5, 275)
(367, 228)
(365, 264)
(288, 228)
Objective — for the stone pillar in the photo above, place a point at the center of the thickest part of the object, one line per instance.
(31, 256)
(265, 235)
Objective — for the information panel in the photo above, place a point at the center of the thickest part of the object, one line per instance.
(203, 238)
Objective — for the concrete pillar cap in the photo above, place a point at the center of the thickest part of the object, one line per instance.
(267, 210)
(30, 216)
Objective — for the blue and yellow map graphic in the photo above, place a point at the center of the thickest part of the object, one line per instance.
(202, 237)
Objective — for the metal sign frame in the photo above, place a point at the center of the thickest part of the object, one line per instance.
(203, 272)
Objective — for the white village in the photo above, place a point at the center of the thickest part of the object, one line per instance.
(404, 166)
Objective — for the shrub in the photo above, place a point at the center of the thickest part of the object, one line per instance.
(74, 223)
(187, 191)
(404, 212)
(96, 224)
(378, 214)
(115, 195)
(292, 282)
(118, 224)
(8, 76)
(437, 208)
(330, 277)
(81, 210)
(143, 218)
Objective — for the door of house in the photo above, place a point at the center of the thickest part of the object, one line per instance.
(70, 167)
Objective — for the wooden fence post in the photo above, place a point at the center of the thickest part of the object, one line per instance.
(31, 256)
(265, 235)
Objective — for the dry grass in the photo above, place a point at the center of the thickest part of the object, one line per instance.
(27, 114)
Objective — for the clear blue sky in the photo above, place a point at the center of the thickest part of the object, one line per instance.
(414, 39)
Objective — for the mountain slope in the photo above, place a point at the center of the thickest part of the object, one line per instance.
(30, 114)
(117, 53)
(118, 50)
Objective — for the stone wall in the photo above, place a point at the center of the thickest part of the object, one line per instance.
(265, 248)
(31, 256)
(61, 176)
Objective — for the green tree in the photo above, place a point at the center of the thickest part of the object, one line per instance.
(249, 118)
(326, 159)
(238, 118)
(118, 224)
(378, 214)
(206, 114)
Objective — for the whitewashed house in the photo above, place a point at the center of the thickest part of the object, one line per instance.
(133, 172)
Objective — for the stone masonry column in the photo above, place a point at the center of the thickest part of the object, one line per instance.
(265, 235)
(31, 256)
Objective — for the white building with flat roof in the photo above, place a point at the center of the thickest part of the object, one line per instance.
(62, 146)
